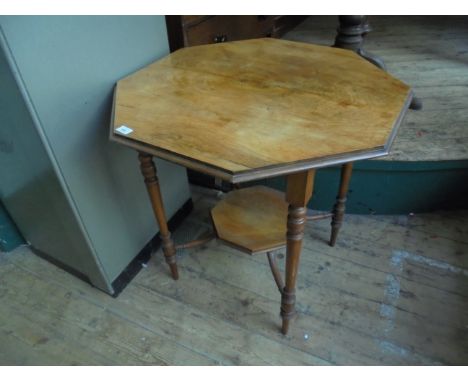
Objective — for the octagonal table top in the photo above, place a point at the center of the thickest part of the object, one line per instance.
(258, 108)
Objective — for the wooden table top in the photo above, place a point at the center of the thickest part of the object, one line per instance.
(258, 108)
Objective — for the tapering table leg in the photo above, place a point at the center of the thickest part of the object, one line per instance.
(339, 208)
(298, 192)
(148, 170)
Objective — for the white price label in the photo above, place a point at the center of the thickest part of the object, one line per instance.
(124, 130)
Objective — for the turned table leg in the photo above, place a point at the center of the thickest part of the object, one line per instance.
(299, 190)
(148, 170)
(339, 208)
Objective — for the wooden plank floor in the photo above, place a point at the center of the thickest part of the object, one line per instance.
(393, 291)
(429, 53)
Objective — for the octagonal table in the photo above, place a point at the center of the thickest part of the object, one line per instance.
(253, 109)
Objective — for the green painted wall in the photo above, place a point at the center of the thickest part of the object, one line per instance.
(384, 187)
(10, 237)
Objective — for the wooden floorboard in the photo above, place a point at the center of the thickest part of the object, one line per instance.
(394, 291)
(430, 53)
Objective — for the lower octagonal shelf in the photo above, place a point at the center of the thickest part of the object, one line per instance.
(252, 219)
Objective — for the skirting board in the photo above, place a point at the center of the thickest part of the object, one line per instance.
(132, 269)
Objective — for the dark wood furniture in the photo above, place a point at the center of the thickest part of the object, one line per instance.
(186, 31)
(351, 32)
(255, 109)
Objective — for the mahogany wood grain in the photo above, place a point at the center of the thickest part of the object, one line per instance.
(255, 106)
(252, 219)
(299, 191)
(148, 170)
(340, 205)
(197, 242)
(299, 187)
(188, 21)
(275, 271)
